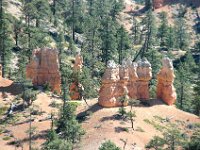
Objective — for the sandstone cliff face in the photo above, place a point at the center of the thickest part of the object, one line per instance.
(160, 3)
(125, 80)
(44, 68)
(165, 87)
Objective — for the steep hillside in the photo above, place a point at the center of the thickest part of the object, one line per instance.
(100, 124)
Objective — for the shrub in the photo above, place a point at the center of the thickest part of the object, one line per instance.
(108, 145)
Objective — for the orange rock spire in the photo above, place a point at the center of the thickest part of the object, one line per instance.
(129, 78)
(144, 72)
(165, 87)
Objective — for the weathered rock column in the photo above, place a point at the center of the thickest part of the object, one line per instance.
(76, 89)
(133, 77)
(165, 87)
(144, 72)
(108, 94)
(44, 68)
(78, 65)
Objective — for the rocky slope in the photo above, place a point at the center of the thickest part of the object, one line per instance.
(101, 124)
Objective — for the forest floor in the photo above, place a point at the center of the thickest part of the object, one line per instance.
(100, 124)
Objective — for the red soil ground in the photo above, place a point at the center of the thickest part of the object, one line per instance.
(101, 125)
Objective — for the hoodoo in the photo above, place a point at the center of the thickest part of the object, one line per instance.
(130, 80)
(165, 87)
(43, 68)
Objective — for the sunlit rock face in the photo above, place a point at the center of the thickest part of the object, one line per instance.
(124, 80)
(44, 68)
(144, 73)
(165, 79)
(78, 65)
(110, 89)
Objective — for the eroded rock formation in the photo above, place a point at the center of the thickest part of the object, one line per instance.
(76, 88)
(165, 87)
(78, 62)
(144, 72)
(44, 68)
(124, 81)
(110, 89)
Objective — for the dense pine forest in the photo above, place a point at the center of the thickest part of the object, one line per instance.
(97, 29)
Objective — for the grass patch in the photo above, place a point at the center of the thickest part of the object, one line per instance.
(139, 129)
(6, 138)
(3, 110)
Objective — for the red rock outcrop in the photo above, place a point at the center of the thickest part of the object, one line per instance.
(44, 68)
(165, 87)
(110, 86)
(144, 73)
(125, 81)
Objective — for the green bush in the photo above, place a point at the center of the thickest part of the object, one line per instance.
(6, 138)
(3, 110)
(108, 145)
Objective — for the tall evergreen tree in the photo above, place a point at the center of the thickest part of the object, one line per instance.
(6, 43)
(123, 43)
(108, 37)
(182, 36)
(163, 29)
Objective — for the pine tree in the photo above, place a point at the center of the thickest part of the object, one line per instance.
(92, 44)
(109, 41)
(184, 80)
(108, 145)
(123, 43)
(182, 36)
(43, 11)
(150, 32)
(67, 125)
(136, 31)
(6, 43)
(74, 16)
(148, 4)
(170, 39)
(117, 7)
(196, 100)
(163, 29)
